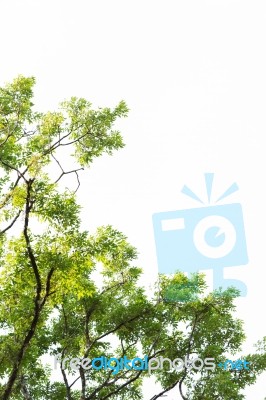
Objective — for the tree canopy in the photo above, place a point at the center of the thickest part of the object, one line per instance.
(51, 300)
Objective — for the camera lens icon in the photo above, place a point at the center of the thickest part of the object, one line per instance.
(214, 236)
(200, 238)
(210, 237)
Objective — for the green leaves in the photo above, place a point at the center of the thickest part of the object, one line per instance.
(94, 128)
(15, 100)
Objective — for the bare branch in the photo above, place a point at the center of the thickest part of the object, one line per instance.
(11, 224)
(68, 387)
(164, 391)
(27, 239)
(68, 172)
(21, 174)
(78, 181)
(37, 303)
(24, 390)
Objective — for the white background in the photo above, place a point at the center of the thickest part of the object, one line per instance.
(193, 75)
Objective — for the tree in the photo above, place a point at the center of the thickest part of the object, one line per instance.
(51, 302)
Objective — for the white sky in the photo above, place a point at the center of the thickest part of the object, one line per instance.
(193, 75)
